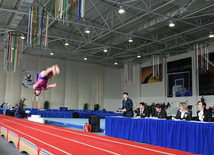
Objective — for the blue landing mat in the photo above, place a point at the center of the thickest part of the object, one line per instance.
(74, 122)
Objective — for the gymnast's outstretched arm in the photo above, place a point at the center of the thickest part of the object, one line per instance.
(36, 85)
(50, 86)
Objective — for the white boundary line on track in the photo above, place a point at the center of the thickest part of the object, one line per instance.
(68, 139)
(153, 150)
(37, 139)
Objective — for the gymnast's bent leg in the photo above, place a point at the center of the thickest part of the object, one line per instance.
(50, 71)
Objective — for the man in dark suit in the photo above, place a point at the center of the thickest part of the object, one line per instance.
(142, 112)
(127, 106)
(160, 113)
(203, 114)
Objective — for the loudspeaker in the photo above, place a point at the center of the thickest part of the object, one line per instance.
(94, 121)
(76, 115)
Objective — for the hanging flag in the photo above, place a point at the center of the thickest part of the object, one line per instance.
(201, 57)
(62, 8)
(12, 51)
(80, 9)
(125, 73)
(128, 73)
(207, 49)
(156, 61)
(38, 27)
(83, 9)
(5, 57)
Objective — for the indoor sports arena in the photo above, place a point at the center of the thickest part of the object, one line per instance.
(107, 77)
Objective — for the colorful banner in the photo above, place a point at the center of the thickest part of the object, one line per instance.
(29, 78)
(64, 7)
(206, 78)
(179, 78)
(201, 57)
(147, 75)
(13, 51)
(38, 27)
(128, 73)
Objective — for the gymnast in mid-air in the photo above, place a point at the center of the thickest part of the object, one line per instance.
(41, 83)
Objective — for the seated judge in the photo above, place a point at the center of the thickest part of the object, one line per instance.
(203, 114)
(142, 112)
(159, 113)
(183, 113)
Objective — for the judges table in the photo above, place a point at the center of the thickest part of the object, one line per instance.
(195, 137)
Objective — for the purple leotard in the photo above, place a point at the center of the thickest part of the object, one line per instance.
(43, 84)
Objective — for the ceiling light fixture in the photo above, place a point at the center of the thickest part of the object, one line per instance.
(105, 50)
(115, 63)
(85, 58)
(130, 39)
(121, 10)
(138, 56)
(51, 53)
(211, 35)
(66, 43)
(22, 37)
(171, 24)
(87, 30)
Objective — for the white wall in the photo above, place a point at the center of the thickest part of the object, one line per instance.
(112, 89)
(132, 88)
(77, 83)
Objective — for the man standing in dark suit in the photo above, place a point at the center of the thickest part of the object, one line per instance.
(127, 106)
(142, 112)
(160, 113)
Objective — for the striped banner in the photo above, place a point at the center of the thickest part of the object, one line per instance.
(13, 51)
(156, 61)
(128, 73)
(64, 8)
(201, 57)
(38, 27)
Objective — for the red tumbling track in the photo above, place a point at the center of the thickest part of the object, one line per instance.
(59, 141)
